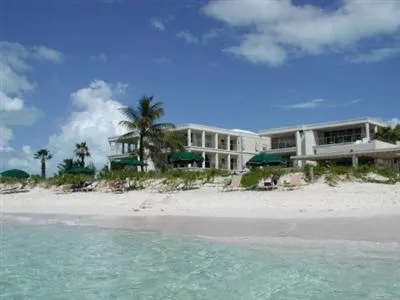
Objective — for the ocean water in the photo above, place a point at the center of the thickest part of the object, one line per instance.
(81, 262)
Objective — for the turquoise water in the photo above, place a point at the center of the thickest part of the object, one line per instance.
(63, 262)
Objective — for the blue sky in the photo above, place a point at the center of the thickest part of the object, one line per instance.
(66, 66)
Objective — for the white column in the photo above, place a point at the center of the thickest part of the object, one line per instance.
(367, 135)
(299, 163)
(216, 160)
(228, 143)
(229, 161)
(189, 137)
(376, 129)
(354, 161)
(203, 164)
(216, 141)
(203, 139)
(109, 165)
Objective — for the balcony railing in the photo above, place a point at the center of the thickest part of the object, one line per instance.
(283, 144)
(340, 139)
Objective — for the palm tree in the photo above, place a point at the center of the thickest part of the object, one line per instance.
(43, 155)
(82, 151)
(389, 134)
(141, 121)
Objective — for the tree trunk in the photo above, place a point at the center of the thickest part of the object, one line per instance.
(43, 167)
(141, 152)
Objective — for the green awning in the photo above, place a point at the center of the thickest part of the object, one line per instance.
(80, 170)
(265, 159)
(129, 161)
(15, 173)
(186, 156)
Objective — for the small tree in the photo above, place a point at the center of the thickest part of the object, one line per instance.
(43, 155)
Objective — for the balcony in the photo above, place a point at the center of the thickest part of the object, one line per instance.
(283, 146)
(339, 139)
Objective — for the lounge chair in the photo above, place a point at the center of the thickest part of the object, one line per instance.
(90, 187)
(233, 185)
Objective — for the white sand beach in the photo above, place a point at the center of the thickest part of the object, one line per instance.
(312, 201)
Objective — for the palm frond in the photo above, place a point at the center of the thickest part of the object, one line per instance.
(130, 113)
(129, 125)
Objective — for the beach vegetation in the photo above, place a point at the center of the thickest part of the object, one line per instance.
(252, 178)
(65, 178)
(364, 172)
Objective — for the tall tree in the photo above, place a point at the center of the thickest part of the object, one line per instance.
(82, 151)
(389, 134)
(43, 155)
(142, 121)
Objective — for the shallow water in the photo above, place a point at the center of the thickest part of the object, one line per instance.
(80, 262)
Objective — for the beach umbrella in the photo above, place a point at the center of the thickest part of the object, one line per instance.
(129, 161)
(15, 173)
(265, 159)
(80, 170)
(186, 156)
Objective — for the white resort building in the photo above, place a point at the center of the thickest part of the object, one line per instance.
(341, 142)
(221, 148)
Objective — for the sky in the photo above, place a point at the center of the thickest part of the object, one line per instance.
(66, 67)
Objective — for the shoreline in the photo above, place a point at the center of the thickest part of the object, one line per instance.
(377, 229)
(352, 211)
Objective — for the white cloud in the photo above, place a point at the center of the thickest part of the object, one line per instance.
(10, 103)
(96, 118)
(157, 24)
(12, 82)
(162, 60)
(275, 29)
(14, 61)
(48, 54)
(6, 135)
(99, 58)
(306, 105)
(258, 49)
(317, 103)
(188, 37)
(212, 34)
(394, 121)
(375, 55)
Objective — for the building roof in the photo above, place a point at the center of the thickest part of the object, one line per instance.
(321, 125)
(237, 132)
